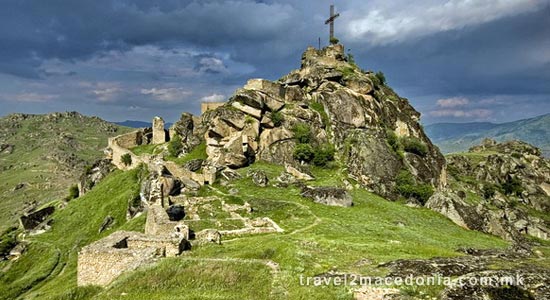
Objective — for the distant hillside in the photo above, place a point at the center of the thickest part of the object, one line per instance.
(42, 155)
(457, 137)
(139, 124)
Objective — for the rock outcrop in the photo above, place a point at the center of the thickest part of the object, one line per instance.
(375, 133)
(498, 188)
(332, 196)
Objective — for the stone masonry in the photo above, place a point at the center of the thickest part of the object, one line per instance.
(159, 134)
(101, 262)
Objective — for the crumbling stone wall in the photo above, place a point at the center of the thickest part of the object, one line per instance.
(168, 247)
(101, 262)
(158, 223)
(206, 106)
(120, 145)
(207, 176)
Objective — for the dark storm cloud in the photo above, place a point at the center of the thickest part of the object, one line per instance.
(79, 29)
(147, 57)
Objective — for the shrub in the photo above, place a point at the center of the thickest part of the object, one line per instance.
(512, 186)
(73, 193)
(334, 40)
(392, 140)
(8, 240)
(175, 146)
(303, 152)
(488, 191)
(408, 188)
(414, 145)
(126, 159)
(302, 132)
(381, 77)
(322, 155)
(248, 119)
(277, 118)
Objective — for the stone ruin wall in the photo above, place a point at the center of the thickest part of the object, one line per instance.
(158, 223)
(120, 145)
(101, 262)
(206, 106)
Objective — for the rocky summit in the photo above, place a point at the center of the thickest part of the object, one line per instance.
(329, 103)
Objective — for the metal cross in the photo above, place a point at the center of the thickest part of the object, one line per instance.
(330, 21)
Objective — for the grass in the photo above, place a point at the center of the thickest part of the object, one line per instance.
(199, 152)
(38, 145)
(145, 149)
(49, 266)
(316, 239)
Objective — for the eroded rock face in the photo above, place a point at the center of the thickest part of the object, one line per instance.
(510, 181)
(341, 105)
(473, 217)
(94, 174)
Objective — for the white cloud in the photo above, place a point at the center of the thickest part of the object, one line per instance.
(106, 91)
(212, 65)
(383, 22)
(452, 102)
(213, 98)
(167, 94)
(460, 113)
(33, 97)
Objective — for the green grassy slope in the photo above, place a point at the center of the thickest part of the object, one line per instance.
(50, 153)
(49, 265)
(317, 239)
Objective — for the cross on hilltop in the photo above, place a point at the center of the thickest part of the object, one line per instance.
(330, 21)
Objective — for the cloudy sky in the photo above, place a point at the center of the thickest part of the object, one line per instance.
(455, 60)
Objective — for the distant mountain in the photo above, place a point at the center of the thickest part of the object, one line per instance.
(134, 124)
(457, 137)
(139, 124)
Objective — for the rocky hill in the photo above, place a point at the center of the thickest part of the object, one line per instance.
(498, 188)
(43, 155)
(327, 110)
(459, 137)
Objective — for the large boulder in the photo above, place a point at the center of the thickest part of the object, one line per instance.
(259, 178)
(332, 196)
